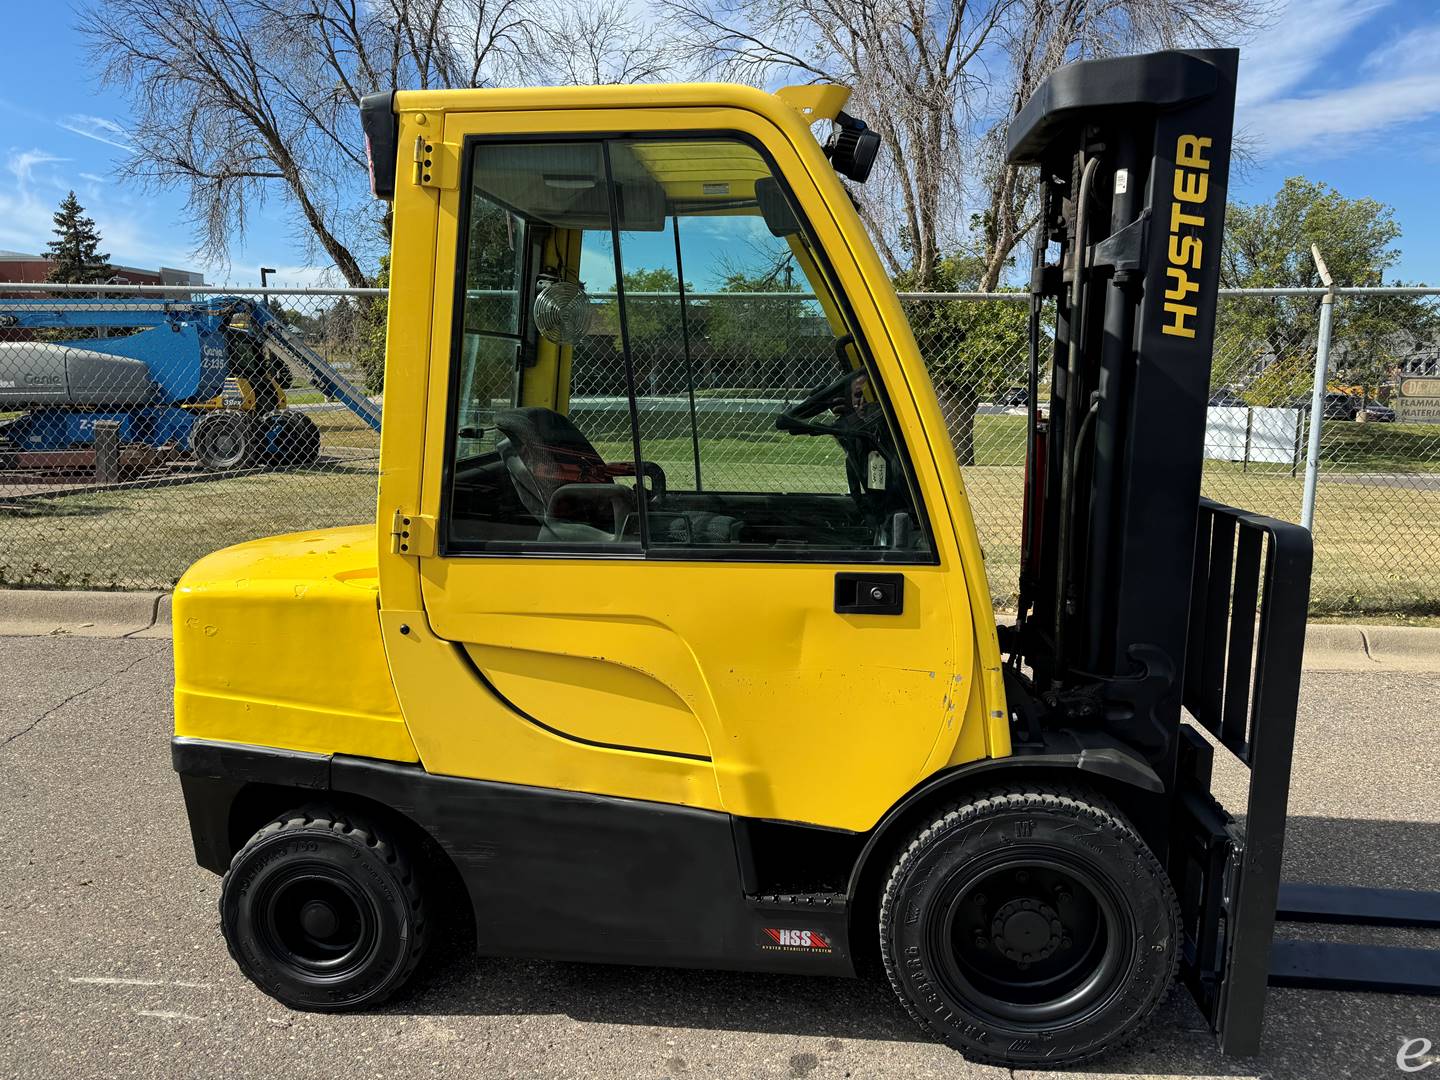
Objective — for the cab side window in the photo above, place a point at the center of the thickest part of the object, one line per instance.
(652, 361)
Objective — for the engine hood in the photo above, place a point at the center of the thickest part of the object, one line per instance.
(277, 643)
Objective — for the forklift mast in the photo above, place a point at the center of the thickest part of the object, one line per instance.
(1140, 601)
(1134, 156)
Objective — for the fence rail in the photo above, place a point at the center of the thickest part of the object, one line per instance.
(119, 467)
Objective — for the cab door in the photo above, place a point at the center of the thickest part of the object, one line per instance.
(670, 540)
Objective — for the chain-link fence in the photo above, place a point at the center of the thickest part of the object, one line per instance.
(140, 431)
(1376, 508)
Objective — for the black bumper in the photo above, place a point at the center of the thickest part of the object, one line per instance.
(212, 776)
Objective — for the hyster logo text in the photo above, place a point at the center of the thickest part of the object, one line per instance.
(796, 939)
(1191, 189)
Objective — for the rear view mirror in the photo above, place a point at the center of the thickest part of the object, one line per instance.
(775, 207)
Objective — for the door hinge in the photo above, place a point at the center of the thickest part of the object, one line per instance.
(412, 534)
(436, 163)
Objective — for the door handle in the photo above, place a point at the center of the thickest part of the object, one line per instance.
(869, 594)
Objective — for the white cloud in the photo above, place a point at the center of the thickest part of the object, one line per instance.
(25, 218)
(1412, 52)
(1293, 47)
(99, 129)
(31, 186)
(22, 164)
(1395, 84)
(1356, 113)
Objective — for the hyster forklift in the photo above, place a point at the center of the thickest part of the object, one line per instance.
(625, 695)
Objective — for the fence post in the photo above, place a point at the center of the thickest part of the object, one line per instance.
(1317, 394)
(107, 451)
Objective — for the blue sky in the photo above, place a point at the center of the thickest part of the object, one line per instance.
(1344, 91)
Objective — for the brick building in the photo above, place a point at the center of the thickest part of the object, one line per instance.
(16, 266)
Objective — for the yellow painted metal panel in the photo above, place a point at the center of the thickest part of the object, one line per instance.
(277, 643)
(597, 699)
(462, 729)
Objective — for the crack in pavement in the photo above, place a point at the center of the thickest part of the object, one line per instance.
(78, 694)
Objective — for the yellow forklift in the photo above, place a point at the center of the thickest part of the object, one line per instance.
(698, 666)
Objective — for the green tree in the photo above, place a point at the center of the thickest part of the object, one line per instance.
(755, 335)
(1267, 344)
(972, 348)
(652, 319)
(75, 254)
(653, 322)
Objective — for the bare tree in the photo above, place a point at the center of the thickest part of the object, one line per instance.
(912, 68)
(1043, 35)
(596, 42)
(940, 81)
(237, 102)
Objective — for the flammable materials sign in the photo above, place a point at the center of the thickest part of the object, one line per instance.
(1418, 401)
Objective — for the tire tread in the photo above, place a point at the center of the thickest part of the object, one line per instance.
(1075, 801)
(342, 824)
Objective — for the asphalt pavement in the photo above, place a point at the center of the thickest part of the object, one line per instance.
(112, 965)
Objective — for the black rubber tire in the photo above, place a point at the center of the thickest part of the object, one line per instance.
(324, 852)
(290, 440)
(939, 880)
(224, 439)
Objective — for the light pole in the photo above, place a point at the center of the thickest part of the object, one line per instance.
(265, 272)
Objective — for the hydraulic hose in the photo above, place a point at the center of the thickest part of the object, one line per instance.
(1072, 382)
(1032, 419)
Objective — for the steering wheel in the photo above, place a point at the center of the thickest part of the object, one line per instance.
(834, 395)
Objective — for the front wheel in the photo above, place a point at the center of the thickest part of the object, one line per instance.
(223, 439)
(323, 912)
(1029, 927)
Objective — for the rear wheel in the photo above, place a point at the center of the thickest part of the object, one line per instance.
(291, 440)
(323, 912)
(1029, 928)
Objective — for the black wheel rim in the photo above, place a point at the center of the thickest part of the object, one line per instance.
(316, 922)
(1030, 938)
(221, 442)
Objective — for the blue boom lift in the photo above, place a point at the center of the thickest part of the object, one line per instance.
(164, 385)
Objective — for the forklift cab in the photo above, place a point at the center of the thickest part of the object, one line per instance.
(670, 493)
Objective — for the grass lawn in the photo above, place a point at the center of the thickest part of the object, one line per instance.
(1377, 541)
(1377, 546)
(340, 427)
(1345, 446)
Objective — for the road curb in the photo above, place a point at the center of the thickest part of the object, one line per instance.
(60, 613)
(57, 613)
(160, 622)
(1336, 647)
(1404, 648)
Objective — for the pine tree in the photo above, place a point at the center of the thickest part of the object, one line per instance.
(74, 253)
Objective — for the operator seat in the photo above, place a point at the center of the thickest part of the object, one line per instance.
(547, 456)
(543, 451)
